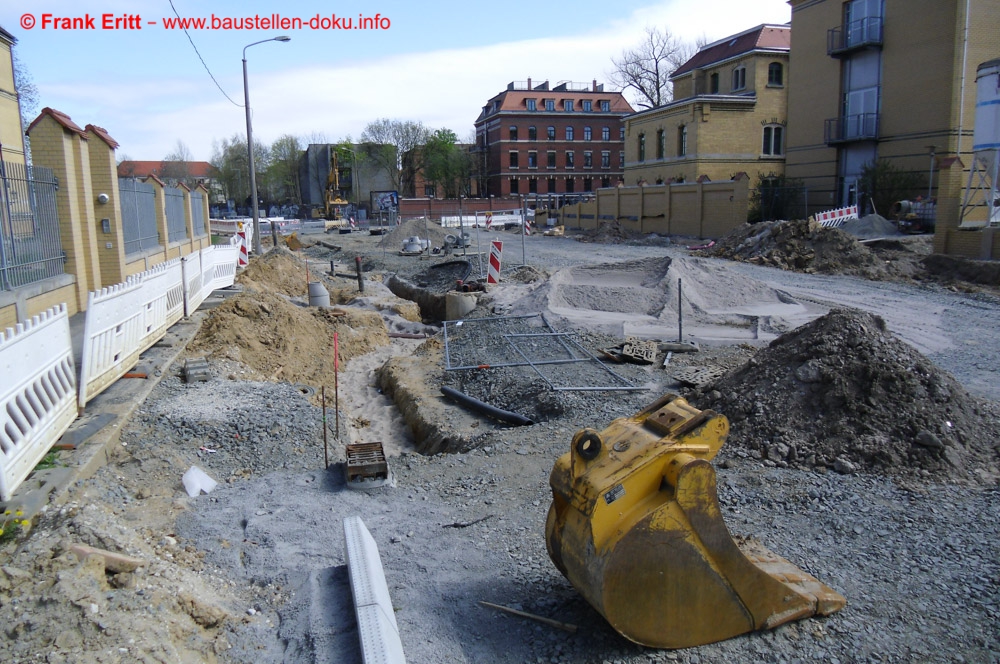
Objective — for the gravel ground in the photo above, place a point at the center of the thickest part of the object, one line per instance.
(917, 560)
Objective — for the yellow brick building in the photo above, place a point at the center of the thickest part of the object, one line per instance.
(729, 114)
(886, 79)
(11, 136)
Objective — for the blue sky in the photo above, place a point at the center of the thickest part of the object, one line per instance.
(437, 63)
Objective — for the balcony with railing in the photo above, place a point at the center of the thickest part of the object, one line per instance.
(849, 128)
(856, 35)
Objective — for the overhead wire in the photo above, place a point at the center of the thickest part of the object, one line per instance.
(202, 59)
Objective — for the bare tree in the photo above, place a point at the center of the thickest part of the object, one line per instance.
(27, 93)
(386, 141)
(646, 68)
(174, 167)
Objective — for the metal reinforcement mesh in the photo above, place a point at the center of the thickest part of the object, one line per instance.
(528, 341)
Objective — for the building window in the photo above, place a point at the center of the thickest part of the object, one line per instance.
(587, 134)
(774, 140)
(532, 159)
(621, 159)
(570, 159)
(739, 78)
(568, 105)
(621, 133)
(606, 159)
(429, 191)
(713, 83)
(532, 134)
(588, 159)
(642, 148)
(588, 105)
(533, 186)
(513, 160)
(550, 159)
(661, 144)
(513, 185)
(605, 182)
(550, 104)
(570, 185)
(551, 185)
(513, 133)
(588, 184)
(775, 74)
(569, 133)
(531, 105)
(605, 106)
(682, 141)
(551, 133)
(605, 133)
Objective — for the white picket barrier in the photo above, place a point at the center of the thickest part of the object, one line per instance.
(124, 320)
(219, 263)
(836, 218)
(38, 393)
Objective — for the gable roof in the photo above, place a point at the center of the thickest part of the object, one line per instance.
(61, 118)
(103, 134)
(762, 38)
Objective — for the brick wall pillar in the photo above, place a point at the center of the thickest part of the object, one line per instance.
(108, 216)
(58, 143)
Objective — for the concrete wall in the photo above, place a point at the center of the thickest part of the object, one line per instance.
(704, 210)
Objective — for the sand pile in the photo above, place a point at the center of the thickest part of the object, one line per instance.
(841, 392)
(801, 246)
(276, 339)
(277, 271)
(871, 226)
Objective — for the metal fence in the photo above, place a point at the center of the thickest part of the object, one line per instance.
(779, 203)
(176, 219)
(198, 213)
(138, 202)
(30, 244)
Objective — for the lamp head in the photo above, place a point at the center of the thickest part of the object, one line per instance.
(283, 38)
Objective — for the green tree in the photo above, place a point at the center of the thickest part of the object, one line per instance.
(283, 172)
(446, 164)
(230, 158)
(882, 184)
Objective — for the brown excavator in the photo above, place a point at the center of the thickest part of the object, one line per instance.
(635, 526)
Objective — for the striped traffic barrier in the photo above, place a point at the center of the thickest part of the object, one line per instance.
(493, 272)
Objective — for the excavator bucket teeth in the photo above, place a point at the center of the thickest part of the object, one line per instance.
(635, 526)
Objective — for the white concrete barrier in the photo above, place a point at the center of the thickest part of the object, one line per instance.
(37, 394)
(124, 320)
(376, 619)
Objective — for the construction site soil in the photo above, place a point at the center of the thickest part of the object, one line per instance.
(864, 448)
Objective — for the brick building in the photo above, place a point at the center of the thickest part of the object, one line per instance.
(563, 139)
(729, 114)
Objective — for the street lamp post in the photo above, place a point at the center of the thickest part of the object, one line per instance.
(253, 174)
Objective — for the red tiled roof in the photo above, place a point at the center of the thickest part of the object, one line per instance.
(514, 100)
(154, 179)
(196, 169)
(769, 37)
(61, 118)
(103, 134)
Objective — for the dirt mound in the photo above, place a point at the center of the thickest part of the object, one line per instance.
(870, 226)
(801, 246)
(278, 340)
(963, 269)
(841, 392)
(610, 232)
(277, 271)
(425, 230)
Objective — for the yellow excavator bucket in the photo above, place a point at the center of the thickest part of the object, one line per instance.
(635, 526)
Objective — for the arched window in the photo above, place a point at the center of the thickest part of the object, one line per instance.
(775, 74)
(569, 133)
(682, 141)
(532, 134)
(642, 147)
(588, 134)
(739, 78)
(774, 140)
(513, 133)
(713, 83)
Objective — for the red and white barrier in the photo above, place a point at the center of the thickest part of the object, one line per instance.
(493, 272)
(244, 258)
(835, 218)
(489, 220)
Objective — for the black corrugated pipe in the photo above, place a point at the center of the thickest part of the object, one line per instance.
(492, 411)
